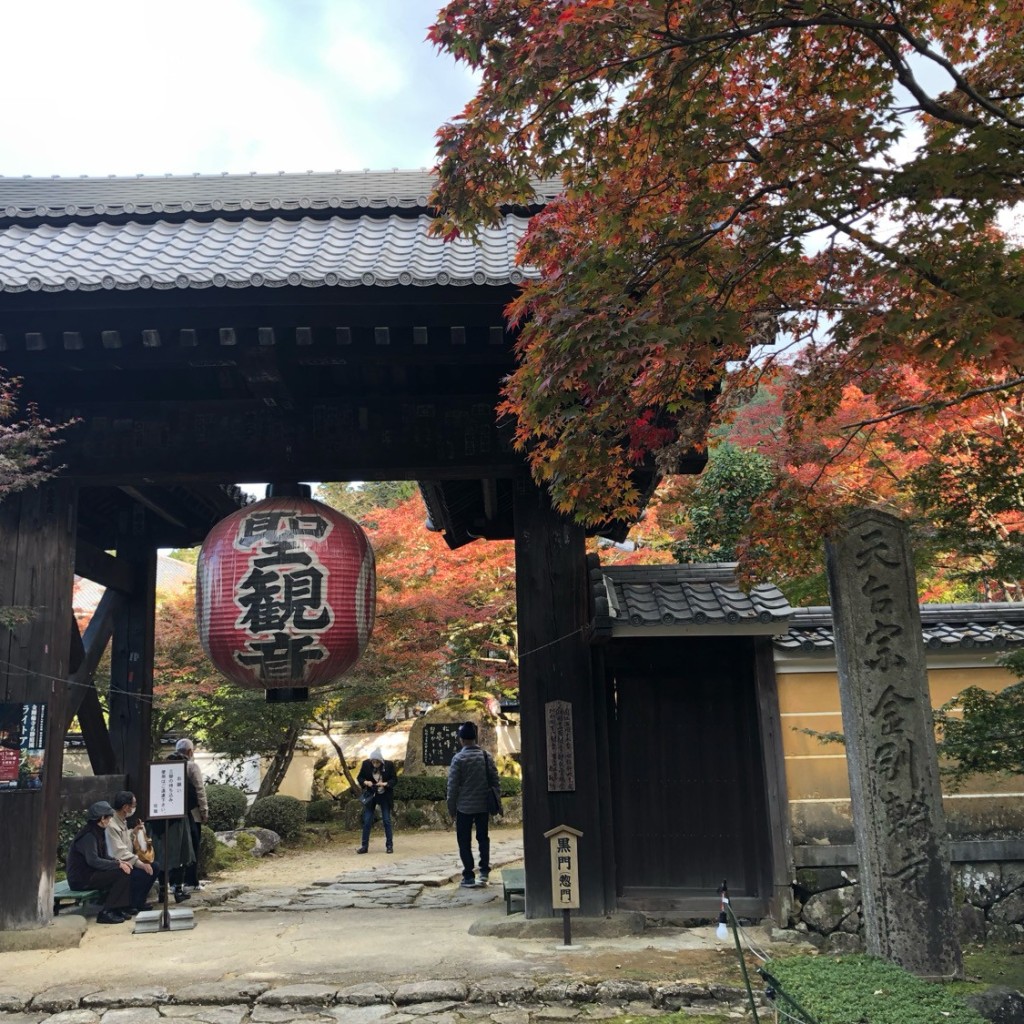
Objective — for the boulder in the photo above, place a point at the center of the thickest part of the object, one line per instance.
(825, 911)
(999, 1004)
(1009, 910)
(265, 841)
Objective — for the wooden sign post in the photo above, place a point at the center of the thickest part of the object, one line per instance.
(166, 801)
(565, 874)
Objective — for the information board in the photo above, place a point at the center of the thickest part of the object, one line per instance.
(561, 755)
(441, 743)
(167, 790)
(22, 745)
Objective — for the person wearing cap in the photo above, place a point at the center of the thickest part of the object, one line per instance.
(471, 775)
(89, 866)
(121, 848)
(377, 777)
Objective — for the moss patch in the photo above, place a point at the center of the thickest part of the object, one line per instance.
(838, 990)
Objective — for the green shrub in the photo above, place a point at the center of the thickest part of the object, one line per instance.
(511, 785)
(207, 849)
(281, 814)
(435, 787)
(227, 806)
(414, 817)
(320, 810)
(421, 787)
(837, 990)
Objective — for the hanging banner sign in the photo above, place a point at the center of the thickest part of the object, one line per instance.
(22, 745)
(167, 790)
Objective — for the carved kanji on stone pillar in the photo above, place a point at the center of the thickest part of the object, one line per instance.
(890, 747)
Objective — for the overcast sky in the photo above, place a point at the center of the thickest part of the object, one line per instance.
(178, 86)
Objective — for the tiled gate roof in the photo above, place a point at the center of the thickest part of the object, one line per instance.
(695, 599)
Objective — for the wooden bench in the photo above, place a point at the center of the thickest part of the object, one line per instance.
(513, 884)
(63, 893)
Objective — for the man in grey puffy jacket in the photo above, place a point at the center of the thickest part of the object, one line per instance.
(471, 774)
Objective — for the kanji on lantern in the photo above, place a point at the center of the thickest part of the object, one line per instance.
(285, 593)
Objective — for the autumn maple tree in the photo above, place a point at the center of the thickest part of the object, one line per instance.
(26, 443)
(445, 619)
(824, 178)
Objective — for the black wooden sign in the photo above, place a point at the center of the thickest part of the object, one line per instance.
(441, 743)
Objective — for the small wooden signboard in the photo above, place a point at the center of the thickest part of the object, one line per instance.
(565, 873)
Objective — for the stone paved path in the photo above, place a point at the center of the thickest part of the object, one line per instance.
(419, 883)
(393, 941)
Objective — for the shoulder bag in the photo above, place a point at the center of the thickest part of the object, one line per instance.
(493, 792)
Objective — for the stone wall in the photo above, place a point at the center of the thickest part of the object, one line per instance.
(988, 899)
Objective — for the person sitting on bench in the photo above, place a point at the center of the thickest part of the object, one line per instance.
(89, 867)
(121, 848)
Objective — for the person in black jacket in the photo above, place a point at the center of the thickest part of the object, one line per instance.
(89, 866)
(471, 775)
(376, 778)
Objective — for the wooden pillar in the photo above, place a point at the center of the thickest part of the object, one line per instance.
(131, 668)
(555, 676)
(37, 530)
(769, 718)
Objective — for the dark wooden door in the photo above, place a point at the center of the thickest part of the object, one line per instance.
(690, 804)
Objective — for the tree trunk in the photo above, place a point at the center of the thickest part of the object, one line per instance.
(353, 786)
(282, 759)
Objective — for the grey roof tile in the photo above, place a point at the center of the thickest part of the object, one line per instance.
(334, 192)
(944, 627)
(684, 595)
(250, 253)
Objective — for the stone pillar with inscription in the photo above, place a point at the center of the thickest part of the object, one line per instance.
(890, 747)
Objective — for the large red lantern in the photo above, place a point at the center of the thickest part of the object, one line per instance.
(285, 593)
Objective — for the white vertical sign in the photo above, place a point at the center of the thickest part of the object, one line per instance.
(167, 790)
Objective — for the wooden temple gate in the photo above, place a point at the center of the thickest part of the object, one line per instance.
(202, 331)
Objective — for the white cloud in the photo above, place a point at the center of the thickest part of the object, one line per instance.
(124, 87)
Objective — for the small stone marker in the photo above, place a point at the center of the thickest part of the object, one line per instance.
(890, 747)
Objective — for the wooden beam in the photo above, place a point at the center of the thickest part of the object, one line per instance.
(131, 668)
(37, 532)
(102, 568)
(376, 438)
(77, 653)
(136, 495)
(94, 731)
(97, 636)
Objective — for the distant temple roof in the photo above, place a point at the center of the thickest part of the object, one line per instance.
(171, 577)
(705, 599)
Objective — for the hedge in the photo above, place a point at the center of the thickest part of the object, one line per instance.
(435, 787)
